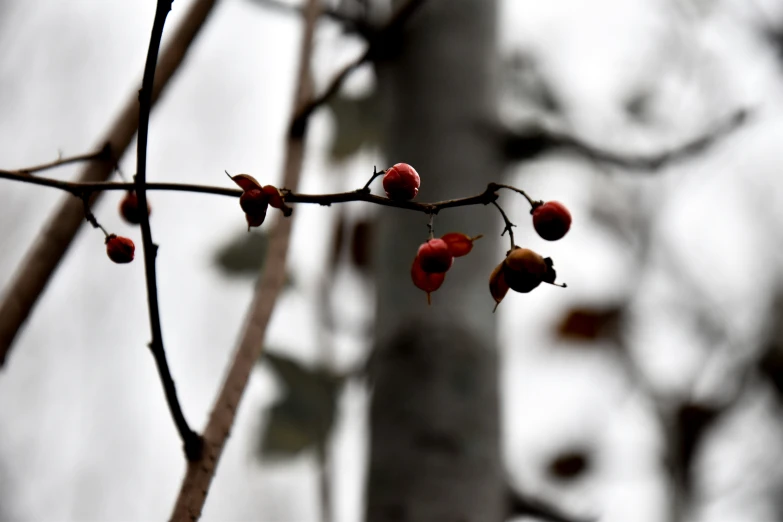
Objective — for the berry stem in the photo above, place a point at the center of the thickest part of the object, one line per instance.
(431, 226)
(90, 217)
(375, 175)
(509, 224)
(533, 203)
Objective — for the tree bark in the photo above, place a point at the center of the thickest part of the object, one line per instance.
(434, 420)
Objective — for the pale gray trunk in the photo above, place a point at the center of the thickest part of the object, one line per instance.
(435, 437)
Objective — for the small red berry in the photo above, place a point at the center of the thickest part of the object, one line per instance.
(129, 208)
(459, 244)
(401, 182)
(426, 281)
(119, 249)
(254, 202)
(435, 257)
(551, 220)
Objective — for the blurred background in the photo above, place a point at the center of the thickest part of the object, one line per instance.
(649, 390)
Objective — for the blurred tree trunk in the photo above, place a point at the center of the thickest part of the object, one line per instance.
(435, 437)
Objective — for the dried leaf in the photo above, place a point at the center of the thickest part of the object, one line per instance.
(246, 182)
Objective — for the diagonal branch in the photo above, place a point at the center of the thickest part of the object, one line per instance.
(102, 155)
(198, 476)
(52, 243)
(190, 439)
(536, 140)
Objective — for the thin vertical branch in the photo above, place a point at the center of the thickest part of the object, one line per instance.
(190, 439)
(53, 241)
(198, 476)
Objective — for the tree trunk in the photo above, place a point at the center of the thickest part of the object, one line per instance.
(435, 437)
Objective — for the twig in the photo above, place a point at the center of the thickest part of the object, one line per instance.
(191, 440)
(102, 155)
(509, 224)
(536, 140)
(76, 188)
(53, 241)
(380, 40)
(350, 24)
(198, 476)
(90, 217)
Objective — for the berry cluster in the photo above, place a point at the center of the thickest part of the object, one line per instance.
(522, 270)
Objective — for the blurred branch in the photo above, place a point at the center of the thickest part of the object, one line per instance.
(198, 476)
(190, 439)
(520, 505)
(102, 155)
(379, 45)
(536, 140)
(350, 24)
(53, 241)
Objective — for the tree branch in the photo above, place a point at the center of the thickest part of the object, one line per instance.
(380, 41)
(198, 476)
(489, 195)
(536, 140)
(350, 24)
(52, 243)
(190, 439)
(102, 155)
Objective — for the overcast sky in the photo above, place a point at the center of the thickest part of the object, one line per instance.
(85, 430)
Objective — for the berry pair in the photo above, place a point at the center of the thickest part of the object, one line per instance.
(521, 271)
(435, 257)
(256, 199)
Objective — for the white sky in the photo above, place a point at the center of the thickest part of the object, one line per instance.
(85, 431)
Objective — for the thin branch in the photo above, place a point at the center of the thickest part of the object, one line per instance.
(102, 155)
(350, 24)
(380, 43)
(53, 241)
(199, 474)
(489, 195)
(509, 224)
(537, 140)
(191, 440)
(521, 505)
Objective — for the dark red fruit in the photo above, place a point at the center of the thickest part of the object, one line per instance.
(435, 257)
(254, 202)
(551, 220)
(524, 270)
(120, 249)
(401, 182)
(426, 281)
(129, 208)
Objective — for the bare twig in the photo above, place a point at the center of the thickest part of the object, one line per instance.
(380, 42)
(53, 241)
(191, 440)
(350, 24)
(198, 476)
(537, 140)
(509, 225)
(102, 155)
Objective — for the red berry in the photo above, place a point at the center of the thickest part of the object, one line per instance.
(254, 202)
(551, 220)
(401, 182)
(129, 208)
(524, 270)
(459, 244)
(424, 280)
(435, 257)
(119, 249)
